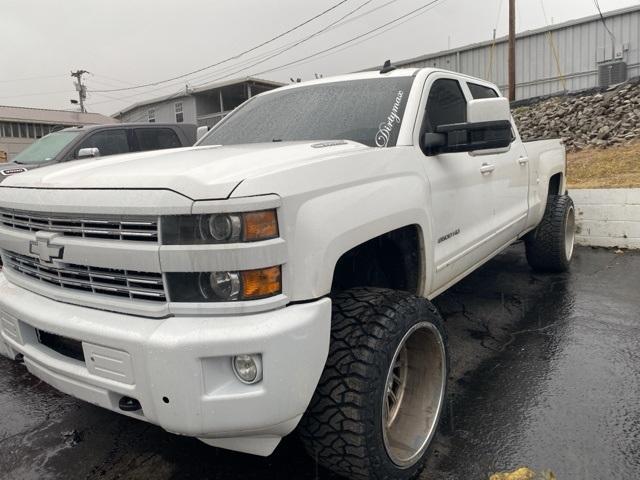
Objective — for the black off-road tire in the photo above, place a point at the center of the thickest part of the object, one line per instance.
(547, 246)
(343, 426)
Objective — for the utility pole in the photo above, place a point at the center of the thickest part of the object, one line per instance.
(512, 50)
(82, 89)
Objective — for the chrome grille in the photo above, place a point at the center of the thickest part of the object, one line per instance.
(105, 281)
(144, 229)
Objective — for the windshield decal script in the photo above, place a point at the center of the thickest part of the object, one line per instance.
(386, 128)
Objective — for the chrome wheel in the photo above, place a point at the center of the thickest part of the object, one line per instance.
(413, 395)
(569, 232)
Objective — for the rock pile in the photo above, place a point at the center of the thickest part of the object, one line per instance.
(594, 119)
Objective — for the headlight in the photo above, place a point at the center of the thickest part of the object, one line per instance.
(225, 286)
(219, 228)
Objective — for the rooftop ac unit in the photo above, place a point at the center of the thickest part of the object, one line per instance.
(612, 73)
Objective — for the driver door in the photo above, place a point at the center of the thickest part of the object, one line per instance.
(462, 191)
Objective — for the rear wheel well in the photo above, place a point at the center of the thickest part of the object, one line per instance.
(555, 184)
(392, 260)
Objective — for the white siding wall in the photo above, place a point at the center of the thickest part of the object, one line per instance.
(580, 47)
(164, 111)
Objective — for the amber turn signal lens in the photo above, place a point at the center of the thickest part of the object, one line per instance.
(261, 283)
(260, 225)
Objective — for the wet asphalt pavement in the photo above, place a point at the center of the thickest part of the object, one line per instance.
(545, 373)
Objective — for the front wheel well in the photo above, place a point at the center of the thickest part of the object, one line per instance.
(392, 260)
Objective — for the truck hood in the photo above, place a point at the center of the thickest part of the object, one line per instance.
(197, 172)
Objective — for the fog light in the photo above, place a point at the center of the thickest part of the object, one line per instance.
(248, 368)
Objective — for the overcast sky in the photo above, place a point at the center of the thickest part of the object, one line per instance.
(132, 42)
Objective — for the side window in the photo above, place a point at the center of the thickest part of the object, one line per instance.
(156, 139)
(109, 142)
(446, 105)
(480, 91)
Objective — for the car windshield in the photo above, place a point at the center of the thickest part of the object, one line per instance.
(368, 111)
(46, 148)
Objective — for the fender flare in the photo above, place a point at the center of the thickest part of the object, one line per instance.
(324, 232)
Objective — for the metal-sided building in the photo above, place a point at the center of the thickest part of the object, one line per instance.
(205, 105)
(20, 126)
(568, 56)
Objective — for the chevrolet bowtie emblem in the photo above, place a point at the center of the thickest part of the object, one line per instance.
(42, 247)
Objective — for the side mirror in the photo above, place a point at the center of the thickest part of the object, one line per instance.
(201, 132)
(88, 152)
(470, 137)
(488, 110)
(488, 127)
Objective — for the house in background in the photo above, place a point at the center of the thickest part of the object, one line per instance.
(205, 105)
(20, 127)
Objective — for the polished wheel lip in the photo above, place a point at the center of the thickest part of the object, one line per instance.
(569, 232)
(415, 457)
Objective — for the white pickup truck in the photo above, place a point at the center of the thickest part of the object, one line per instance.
(278, 275)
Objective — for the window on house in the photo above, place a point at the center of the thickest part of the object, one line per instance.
(179, 112)
(480, 91)
(151, 114)
(233, 96)
(32, 130)
(23, 130)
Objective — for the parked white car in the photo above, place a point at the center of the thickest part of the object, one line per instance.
(279, 274)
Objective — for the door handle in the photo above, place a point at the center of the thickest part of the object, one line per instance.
(523, 161)
(485, 169)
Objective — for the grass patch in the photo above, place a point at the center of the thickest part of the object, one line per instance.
(616, 167)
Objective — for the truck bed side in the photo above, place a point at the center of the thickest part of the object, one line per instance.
(547, 160)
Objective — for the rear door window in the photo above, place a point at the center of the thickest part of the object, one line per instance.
(155, 139)
(480, 91)
(109, 142)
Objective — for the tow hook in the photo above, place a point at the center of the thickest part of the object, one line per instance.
(19, 358)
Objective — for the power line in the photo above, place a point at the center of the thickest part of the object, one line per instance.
(25, 79)
(597, 4)
(544, 13)
(34, 94)
(381, 32)
(261, 58)
(309, 37)
(412, 14)
(554, 49)
(338, 45)
(234, 57)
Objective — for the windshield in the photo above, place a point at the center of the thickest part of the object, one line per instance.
(46, 148)
(367, 111)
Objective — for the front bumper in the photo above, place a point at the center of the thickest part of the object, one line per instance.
(178, 368)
